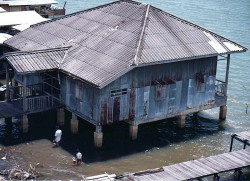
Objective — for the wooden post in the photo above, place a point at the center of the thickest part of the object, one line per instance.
(98, 137)
(181, 121)
(231, 145)
(74, 124)
(227, 73)
(7, 82)
(25, 123)
(60, 116)
(25, 106)
(223, 112)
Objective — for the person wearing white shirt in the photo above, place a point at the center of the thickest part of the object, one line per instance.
(58, 136)
(78, 157)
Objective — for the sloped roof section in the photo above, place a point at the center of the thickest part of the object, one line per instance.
(110, 40)
(37, 61)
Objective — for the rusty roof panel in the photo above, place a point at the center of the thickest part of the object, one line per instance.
(109, 40)
(36, 60)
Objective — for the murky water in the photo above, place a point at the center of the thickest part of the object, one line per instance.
(160, 143)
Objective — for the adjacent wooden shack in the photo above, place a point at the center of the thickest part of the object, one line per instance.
(122, 61)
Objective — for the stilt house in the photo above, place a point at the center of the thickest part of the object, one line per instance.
(122, 61)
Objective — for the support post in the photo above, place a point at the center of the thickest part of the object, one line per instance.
(133, 131)
(245, 144)
(9, 125)
(223, 112)
(181, 121)
(7, 82)
(60, 116)
(232, 139)
(74, 124)
(25, 124)
(98, 137)
(25, 106)
(227, 72)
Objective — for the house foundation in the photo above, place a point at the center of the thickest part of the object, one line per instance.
(181, 121)
(223, 112)
(74, 124)
(133, 131)
(60, 116)
(25, 124)
(98, 137)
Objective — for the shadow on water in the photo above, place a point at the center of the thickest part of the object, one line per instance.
(116, 141)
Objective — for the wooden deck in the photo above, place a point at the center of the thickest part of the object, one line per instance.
(37, 104)
(243, 137)
(195, 169)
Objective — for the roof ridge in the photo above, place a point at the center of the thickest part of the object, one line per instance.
(145, 21)
(198, 27)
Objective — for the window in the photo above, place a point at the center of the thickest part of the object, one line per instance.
(200, 82)
(79, 91)
(118, 92)
(160, 92)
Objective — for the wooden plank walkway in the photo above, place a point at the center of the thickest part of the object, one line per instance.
(243, 137)
(195, 169)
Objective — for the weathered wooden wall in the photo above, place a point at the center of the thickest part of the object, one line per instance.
(88, 106)
(153, 91)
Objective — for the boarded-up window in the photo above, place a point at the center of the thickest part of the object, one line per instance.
(118, 92)
(79, 90)
(200, 82)
(160, 92)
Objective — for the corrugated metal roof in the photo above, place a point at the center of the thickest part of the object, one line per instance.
(112, 39)
(20, 18)
(34, 61)
(27, 2)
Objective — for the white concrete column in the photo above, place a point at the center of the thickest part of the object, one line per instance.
(25, 124)
(98, 137)
(223, 112)
(133, 131)
(74, 124)
(60, 116)
(181, 121)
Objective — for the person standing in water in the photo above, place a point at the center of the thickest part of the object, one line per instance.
(78, 157)
(58, 135)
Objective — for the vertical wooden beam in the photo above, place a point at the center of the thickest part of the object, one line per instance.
(25, 123)
(223, 112)
(25, 106)
(7, 82)
(227, 73)
(60, 116)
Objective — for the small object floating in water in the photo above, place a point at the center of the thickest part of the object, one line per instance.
(4, 158)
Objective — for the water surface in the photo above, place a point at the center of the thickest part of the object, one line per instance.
(160, 143)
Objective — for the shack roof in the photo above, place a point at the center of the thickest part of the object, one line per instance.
(2, 10)
(25, 18)
(3, 37)
(110, 40)
(27, 2)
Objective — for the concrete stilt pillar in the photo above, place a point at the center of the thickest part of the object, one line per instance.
(223, 112)
(60, 116)
(98, 137)
(25, 124)
(133, 131)
(74, 124)
(181, 121)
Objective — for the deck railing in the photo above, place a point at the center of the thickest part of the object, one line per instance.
(31, 90)
(220, 88)
(39, 103)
